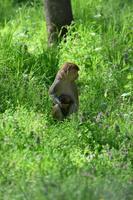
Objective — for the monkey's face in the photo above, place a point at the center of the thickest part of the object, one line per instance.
(72, 74)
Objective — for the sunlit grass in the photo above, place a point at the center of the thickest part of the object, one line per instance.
(88, 156)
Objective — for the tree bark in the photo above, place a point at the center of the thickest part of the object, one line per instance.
(58, 15)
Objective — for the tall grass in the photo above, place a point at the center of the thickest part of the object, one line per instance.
(89, 155)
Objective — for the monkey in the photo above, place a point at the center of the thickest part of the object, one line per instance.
(63, 110)
(64, 92)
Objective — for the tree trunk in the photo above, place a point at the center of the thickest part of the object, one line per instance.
(58, 16)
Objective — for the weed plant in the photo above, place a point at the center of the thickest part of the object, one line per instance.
(90, 155)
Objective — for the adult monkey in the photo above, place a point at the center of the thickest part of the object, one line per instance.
(64, 91)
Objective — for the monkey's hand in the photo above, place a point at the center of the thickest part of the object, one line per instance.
(57, 101)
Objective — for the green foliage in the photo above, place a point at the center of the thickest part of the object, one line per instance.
(89, 155)
(6, 10)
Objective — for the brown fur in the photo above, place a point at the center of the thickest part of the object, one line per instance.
(65, 68)
(64, 91)
(66, 102)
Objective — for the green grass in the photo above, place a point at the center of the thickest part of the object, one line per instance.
(89, 155)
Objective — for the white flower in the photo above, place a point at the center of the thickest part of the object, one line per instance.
(97, 16)
(98, 49)
(93, 34)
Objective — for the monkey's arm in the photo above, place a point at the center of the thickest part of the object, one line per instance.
(73, 108)
(75, 100)
(53, 92)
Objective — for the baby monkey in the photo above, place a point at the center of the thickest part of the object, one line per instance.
(64, 91)
(61, 111)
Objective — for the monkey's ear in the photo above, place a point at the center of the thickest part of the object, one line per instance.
(59, 75)
(65, 70)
